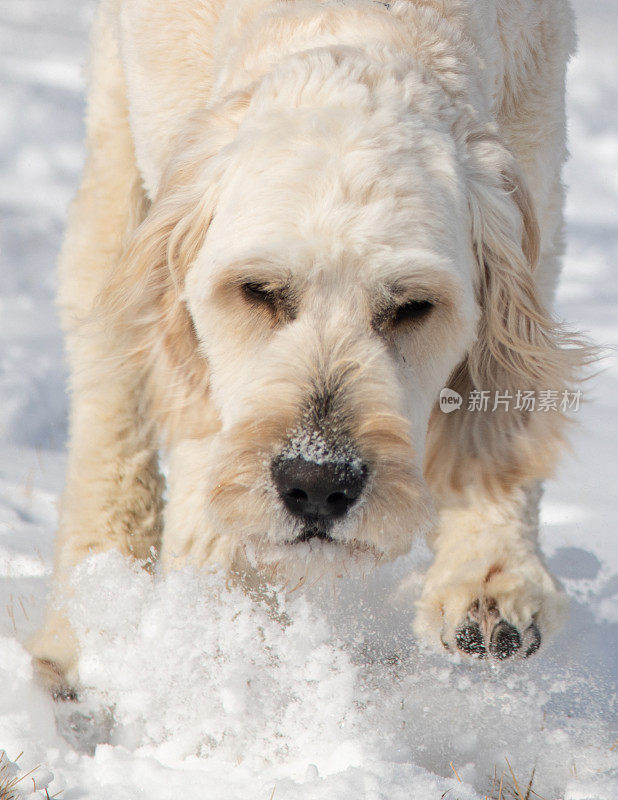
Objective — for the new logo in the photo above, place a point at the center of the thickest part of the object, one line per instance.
(450, 400)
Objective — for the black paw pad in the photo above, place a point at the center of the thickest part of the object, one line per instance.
(532, 639)
(505, 640)
(65, 694)
(469, 639)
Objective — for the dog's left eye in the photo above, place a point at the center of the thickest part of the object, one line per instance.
(411, 310)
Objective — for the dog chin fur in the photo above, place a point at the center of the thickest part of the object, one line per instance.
(315, 560)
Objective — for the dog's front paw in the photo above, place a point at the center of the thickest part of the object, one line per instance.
(51, 676)
(54, 654)
(484, 631)
(498, 611)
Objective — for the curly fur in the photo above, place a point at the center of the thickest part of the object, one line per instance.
(345, 156)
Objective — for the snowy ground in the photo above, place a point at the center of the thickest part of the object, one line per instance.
(225, 702)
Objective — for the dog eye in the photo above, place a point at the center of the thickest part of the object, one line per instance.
(411, 310)
(257, 293)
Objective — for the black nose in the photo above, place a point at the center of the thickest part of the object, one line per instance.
(319, 492)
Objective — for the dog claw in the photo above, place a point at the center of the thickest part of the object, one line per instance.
(532, 639)
(51, 676)
(65, 694)
(469, 638)
(505, 640)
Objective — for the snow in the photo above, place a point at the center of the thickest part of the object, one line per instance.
(311, 446)
(203, 692)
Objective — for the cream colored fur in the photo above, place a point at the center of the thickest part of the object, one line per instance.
(346, 156)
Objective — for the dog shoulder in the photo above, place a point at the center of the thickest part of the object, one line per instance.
(166, 50)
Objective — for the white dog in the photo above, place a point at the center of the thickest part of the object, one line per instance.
(299, 220)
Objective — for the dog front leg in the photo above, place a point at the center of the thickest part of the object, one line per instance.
(112, 497)
(191, 535)
(488, 591)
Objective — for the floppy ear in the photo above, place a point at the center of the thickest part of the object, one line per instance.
(520, 347)
(142, 302)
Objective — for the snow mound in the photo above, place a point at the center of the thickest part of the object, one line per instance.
(196, 667)
(187, 666)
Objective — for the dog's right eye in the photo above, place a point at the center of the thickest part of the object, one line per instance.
(259, 294)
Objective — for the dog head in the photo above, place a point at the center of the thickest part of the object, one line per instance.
(315, 272)
(332, 297)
